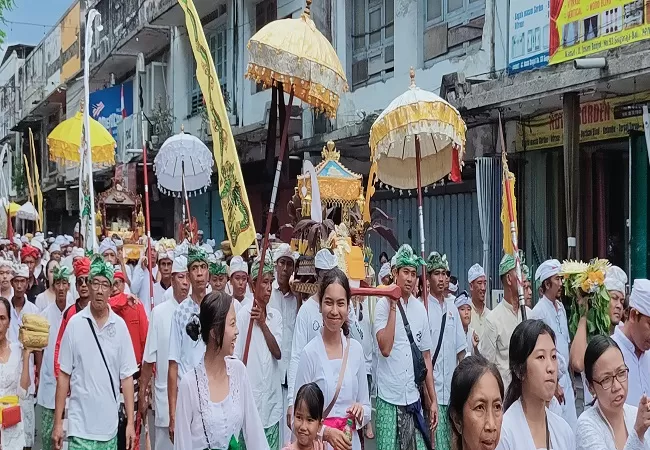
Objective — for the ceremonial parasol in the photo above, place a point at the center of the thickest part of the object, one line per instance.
(183, 167)
(293, 51)
(27, 212)
(64, 141)
(183, 158)
(418, 133)
(12, 208)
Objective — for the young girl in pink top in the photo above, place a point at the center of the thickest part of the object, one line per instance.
(307, 418)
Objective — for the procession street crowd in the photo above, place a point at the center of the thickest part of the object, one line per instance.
(448, 373)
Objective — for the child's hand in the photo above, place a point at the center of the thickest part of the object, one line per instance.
(337, 439)
(318, 445)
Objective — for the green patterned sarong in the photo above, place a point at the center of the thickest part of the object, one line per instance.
(47, 425)
(443, 431)
(272, 437)
(77, 443)
(386, 429)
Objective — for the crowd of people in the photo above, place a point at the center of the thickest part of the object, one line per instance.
(225, 355)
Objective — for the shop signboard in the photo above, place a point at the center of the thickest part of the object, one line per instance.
(611, 118)
(528, 35)
(581, 28)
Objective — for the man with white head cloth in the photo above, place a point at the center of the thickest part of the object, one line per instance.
(6, 273)
(615, 281)
(108, 249)
(633, 338)
(285, 302)
(551, 311)
(239, 282)
(477, 290)
(308, 324)
(156, 352)
(384, 277)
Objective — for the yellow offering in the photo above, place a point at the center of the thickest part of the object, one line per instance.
(34, 332)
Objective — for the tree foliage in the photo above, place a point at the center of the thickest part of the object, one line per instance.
(5, 5)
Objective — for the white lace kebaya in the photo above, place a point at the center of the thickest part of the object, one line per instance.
(202, 424)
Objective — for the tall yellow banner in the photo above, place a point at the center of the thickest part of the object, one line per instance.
(37, 182)
(234, 199)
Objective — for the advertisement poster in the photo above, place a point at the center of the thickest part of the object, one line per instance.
(599, 120)
(528, 34)
(109, 108)
(581, 28)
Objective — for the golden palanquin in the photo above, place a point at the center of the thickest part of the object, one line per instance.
(339, 186)
(119, 213)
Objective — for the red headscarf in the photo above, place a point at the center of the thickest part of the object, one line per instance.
(119, 276)
(81, 267)
(28, 251)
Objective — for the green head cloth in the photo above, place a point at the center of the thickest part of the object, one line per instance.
(100, 268)
(506, 265)
(267, 268)
(61, 273)
(196, 254)
(218, 268)
(437, 261)
(405, 257)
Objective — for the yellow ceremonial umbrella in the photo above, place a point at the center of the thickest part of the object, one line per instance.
(64, 141)
(418, 133)
(294, 52)
(12, 208)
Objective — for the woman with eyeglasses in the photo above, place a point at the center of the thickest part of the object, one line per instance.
(610, 424)
(527, 423)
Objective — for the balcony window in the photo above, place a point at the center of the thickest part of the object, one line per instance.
(454, 12)
(372, 41)
(266, 12)
(217, 42)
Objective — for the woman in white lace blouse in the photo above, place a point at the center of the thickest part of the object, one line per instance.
(611, 424)
(215, 400)
(14, 379)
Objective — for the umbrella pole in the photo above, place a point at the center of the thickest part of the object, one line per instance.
(187, 203)
(267, 231)
(147, 219)
(425, 297)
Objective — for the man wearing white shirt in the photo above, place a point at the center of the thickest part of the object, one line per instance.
(184, 353)
(112, 255)
(96, 358)
(20, 306)
(47, 381)
(284, 300)
(477, 291)
(501, 322)
(448, 339)
(156, 351)
(238, 280)
(398, 397)
(308, 324)
(633, 337)
(551, 310)
(264, 354)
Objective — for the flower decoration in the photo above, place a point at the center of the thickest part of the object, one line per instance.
(585, 285)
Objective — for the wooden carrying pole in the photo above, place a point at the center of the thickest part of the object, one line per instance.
(269, 218)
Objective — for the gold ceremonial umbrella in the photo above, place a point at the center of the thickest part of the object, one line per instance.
(294, 51)
(418, 133)
(12, 208)
(64, 141)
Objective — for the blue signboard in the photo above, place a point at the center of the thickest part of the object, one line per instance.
(107, 105)
(529, 26)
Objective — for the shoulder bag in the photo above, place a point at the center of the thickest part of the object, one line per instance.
(344, 363)
(419, 368)
(121, 424)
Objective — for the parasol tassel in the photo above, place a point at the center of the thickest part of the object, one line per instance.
(455, 166)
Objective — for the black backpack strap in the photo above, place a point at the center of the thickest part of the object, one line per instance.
(442, 332)
(92, 328)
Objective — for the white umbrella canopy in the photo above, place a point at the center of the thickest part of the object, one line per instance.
(27, 212)
(183, 158)
(439, 127)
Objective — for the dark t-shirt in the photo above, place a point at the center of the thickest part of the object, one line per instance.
(37, 288)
